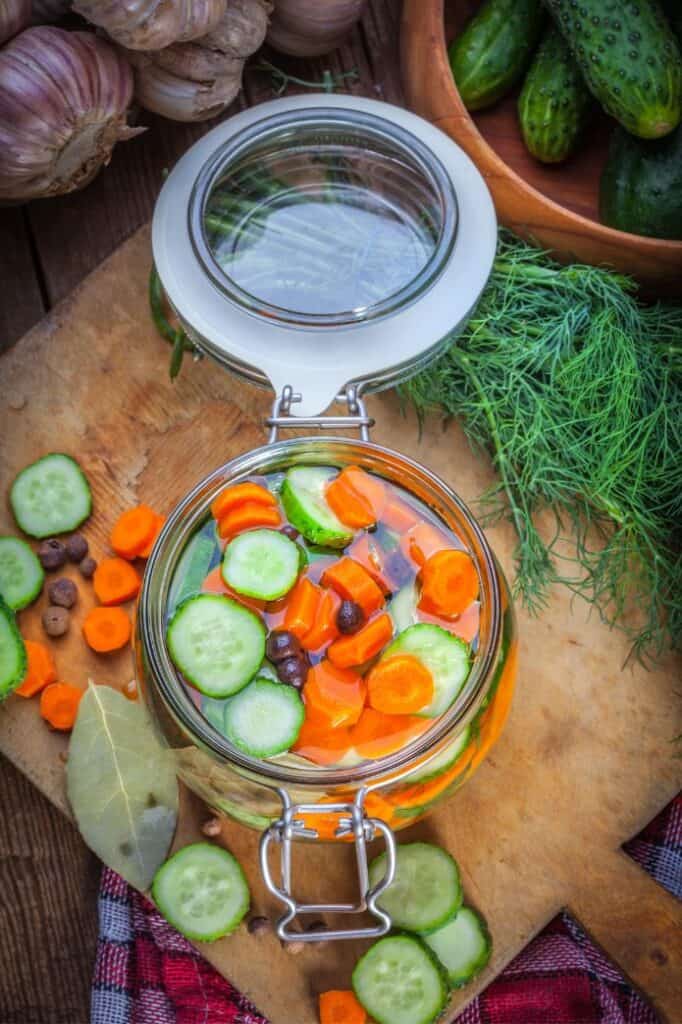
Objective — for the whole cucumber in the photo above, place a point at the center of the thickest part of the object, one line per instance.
(554, 100)
(494, 49)
(630, 59)
(641, 185)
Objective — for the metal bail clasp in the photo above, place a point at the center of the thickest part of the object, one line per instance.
(281, 418)
(353, 820)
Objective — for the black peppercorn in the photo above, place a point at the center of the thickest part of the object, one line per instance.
(350, 617)
(281, 644)
(293, 671)
(289, 531)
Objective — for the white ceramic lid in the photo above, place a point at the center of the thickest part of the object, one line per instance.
(320, 362)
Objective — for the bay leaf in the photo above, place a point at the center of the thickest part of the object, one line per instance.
(121, 784)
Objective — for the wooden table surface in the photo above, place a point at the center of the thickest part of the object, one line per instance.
(48, 879)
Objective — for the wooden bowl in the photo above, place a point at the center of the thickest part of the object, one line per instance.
(555, 206)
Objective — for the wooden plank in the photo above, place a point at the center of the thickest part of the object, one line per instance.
(22, 302)
(585, 760)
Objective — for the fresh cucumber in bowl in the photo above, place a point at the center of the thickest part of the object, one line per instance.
(399, 981)
(426, 891)
(50, 496)
(303, 497)
(21, 574)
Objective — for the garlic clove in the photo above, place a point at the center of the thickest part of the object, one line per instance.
(63, 103)
(181, 99)
(14, 15)
(152, 24)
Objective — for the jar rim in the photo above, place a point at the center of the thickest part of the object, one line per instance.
(151, 614)
(325, 118)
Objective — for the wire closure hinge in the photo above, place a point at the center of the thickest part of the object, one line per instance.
(282, 419)
(353, 821)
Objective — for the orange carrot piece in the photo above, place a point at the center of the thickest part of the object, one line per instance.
(420, 793)
(147, 549)
(59, 705)
(327, 822)
(371, 557)
(299, 617)
(238, 494)
(133, 530)
(399, 517)
(449, 583)
(40, 671)
(400, 685)
(247, 516)
(107, 629)
(115, 581)
(324, 628)
(333, 696)
(359, 647)
(338, 1007)
(349, 506)
(377, 735)
(321, 744)
(352, 582)
(422, 541)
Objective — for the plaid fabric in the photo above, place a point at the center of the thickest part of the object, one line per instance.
(146, 973)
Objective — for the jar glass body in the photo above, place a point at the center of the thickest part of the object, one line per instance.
(398, 789)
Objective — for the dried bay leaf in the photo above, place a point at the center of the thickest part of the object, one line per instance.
(121, 784)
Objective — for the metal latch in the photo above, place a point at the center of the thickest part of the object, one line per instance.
(282, 419)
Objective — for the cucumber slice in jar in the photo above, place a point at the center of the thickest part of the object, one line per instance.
(446, 656)
(13, 660)
(216, 643)
(442, 762)
(265, 718)
(201, 890)
(307, 509)
(193, 566)
(426, 891)
(21, 574)
(463, 946)
(261, 563)
(398, 981)
(403, 608)
(50, 496)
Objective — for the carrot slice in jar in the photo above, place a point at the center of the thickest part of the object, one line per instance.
(321, 744)
(372, 558)
(247, 516)
(238, 494)
(449, 583)
(324, 628)
(304, 601)
(359, 647)
(356, 497)
(422, 541)
(377, 735)
(400, 685)
(354, 583)
(333, 696)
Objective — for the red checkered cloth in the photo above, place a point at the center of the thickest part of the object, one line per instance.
(148, 974)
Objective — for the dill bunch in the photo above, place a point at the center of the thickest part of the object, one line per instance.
(575, 390)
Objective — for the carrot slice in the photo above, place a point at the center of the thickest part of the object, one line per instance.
(400, 685)
(352, 582)
(377, 735)
(147, 549)
(238, 494)
(337, 1007)
(107, 629)
(420, 793)
(367, 553)
(324, 628)
(133, 531)
(333, 696)
(422, 541)
(59, 705)
(115, 581)
(247, 516)
(363, 645)
(449, 583)
(399, 517)
(299, 617)
(321, 744)
(40, 671)
(356, 497)
(327, 822)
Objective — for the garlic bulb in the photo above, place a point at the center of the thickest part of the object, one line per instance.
(63, 103)
(152, 24)
(45, 12)
(308, 28)
(196, 80)
(14, 15)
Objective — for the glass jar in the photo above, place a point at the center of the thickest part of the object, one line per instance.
(311, 349)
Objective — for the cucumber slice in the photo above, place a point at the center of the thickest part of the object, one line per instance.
(13, 660)
(265, 718)
(446, 657)
(216, 643)
(50, 496)
(201, 890)
(21, 574)
(261, 563)
(193, 566)
(398, 981)
(214, 712)
(268, 671)
(426, 891)
(403, 608)
(307, 509)
(463, 946)
(442, 762)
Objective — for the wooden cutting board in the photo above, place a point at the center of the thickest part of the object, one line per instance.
(586, 759)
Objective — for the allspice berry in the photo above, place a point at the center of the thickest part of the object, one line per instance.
(56, 620)
(76, 547)
(63, 592)
(87, 567)
(52, 554)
